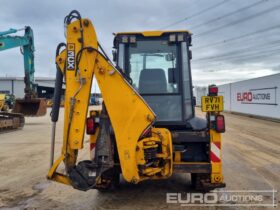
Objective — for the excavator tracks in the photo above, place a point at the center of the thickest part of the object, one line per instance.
(11, 121)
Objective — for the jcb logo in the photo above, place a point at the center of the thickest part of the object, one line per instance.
(71, 56)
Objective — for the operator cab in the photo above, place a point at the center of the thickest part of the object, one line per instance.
(157, 63)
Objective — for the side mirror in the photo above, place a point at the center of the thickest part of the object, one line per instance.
(189, 40)
(194, 101)
(114, 52)
(190, 54)
(171, 75)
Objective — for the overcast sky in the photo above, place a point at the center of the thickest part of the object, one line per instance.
(235, 51)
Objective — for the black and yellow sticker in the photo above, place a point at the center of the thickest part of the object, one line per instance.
(212, 103)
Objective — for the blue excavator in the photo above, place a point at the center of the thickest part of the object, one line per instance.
(30, 105)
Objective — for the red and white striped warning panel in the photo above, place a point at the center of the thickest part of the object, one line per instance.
(215, 153)
(92, 150)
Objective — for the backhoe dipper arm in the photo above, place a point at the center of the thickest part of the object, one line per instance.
(129, 114)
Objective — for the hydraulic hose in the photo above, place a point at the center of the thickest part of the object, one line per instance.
(57, 89)
(56, 102)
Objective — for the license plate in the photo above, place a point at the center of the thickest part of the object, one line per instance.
(212, 103)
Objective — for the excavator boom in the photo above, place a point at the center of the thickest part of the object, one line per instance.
(30, 105)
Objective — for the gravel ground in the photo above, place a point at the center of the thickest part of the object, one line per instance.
(251, 154)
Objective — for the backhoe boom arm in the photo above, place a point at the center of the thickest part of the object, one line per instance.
(128, 113)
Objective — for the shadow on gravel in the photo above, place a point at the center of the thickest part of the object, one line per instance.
(152, 193)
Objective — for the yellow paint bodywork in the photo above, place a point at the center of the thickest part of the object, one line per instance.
(56, 176)
(129, 114)
(153, 33)
(3, 105)
(161, 137)
(177, 157)
(216, 173)
(2, 101)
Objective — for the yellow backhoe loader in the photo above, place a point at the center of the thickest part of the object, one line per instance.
(147, 127)
(8, 120)
(3, 105)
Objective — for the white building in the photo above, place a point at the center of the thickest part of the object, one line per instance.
(15, 85)
(256, 97)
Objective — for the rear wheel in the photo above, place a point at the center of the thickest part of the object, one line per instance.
(197, 181)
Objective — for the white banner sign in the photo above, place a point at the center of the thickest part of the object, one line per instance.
(258, 96)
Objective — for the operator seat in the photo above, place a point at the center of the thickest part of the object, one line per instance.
(152, 81)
